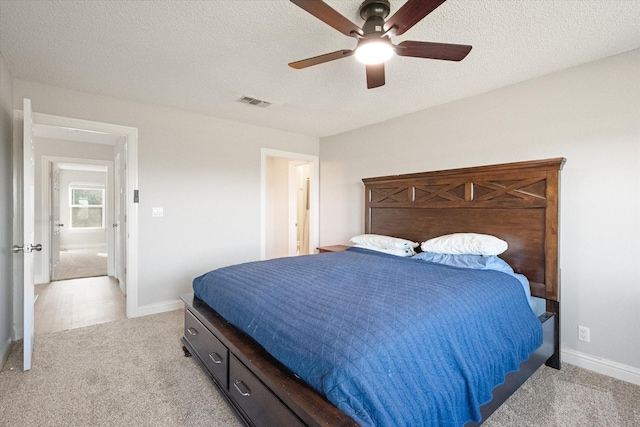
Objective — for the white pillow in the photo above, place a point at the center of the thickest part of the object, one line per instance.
(465, 243)
(382, 242)
(397, 252)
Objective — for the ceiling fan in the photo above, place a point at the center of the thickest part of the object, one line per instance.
(374, 45)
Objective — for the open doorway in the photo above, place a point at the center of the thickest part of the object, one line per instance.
(80, 195)
(76, 217)
(289, 204)
(34, 125)
(74, 207)
(87, 172)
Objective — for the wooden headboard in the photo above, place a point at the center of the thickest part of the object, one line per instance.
(517, 202)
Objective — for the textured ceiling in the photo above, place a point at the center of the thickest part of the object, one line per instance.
(202, 56)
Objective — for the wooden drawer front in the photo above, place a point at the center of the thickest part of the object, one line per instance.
(262, 406)
(209, 348)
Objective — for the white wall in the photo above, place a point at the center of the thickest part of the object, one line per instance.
(205, 173)
(6, 209)
(589, 114)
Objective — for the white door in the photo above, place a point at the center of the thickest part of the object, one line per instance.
(56, 224)
(299, 207)
(119, 221)
(27, 248)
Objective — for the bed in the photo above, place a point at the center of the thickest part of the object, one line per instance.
(253, 365)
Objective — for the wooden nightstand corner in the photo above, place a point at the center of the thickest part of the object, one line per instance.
(333, 248)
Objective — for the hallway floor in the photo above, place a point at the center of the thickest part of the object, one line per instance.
(77, 263)
(70, 304)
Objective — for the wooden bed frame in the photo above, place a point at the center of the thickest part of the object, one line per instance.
(517, 202)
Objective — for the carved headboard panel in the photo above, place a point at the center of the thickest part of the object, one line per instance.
(517, 202)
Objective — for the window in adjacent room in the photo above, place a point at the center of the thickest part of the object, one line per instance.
(86, 205)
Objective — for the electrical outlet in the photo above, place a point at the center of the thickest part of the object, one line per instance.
(584, 334)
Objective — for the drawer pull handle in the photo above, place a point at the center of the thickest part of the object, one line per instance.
(242, 389)
(215, 357)
(192, 331)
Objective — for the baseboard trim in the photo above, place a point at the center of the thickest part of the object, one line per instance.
(159, 307)
(4, 351)
(85, 246)
(602, 366)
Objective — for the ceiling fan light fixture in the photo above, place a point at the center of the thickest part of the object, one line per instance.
(374, 45)
(374, 51)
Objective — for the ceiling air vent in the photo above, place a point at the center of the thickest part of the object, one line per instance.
(254, 101)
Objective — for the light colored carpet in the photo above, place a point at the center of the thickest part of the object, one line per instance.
(77, 263)
(126, 373)
(132, 372)
(571, 397)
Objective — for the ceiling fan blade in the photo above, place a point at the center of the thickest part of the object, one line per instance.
(410, 14)
(321, 59)
(329, 16)
(375, 75)
(446, 51)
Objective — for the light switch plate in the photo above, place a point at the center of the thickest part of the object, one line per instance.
(157, 212)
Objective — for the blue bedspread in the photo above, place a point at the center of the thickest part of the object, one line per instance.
(390, 341)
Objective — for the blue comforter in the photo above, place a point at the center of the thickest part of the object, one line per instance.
(390, 341)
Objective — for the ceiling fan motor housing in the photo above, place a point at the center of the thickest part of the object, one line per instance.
(374, 13)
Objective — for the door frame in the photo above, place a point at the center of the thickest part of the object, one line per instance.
(119, 263)
(314, 199)
(54, 219)
(130, 135)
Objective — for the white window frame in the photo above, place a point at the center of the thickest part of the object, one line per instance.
(80, 186)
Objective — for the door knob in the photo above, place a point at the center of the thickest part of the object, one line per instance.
(27, 249)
